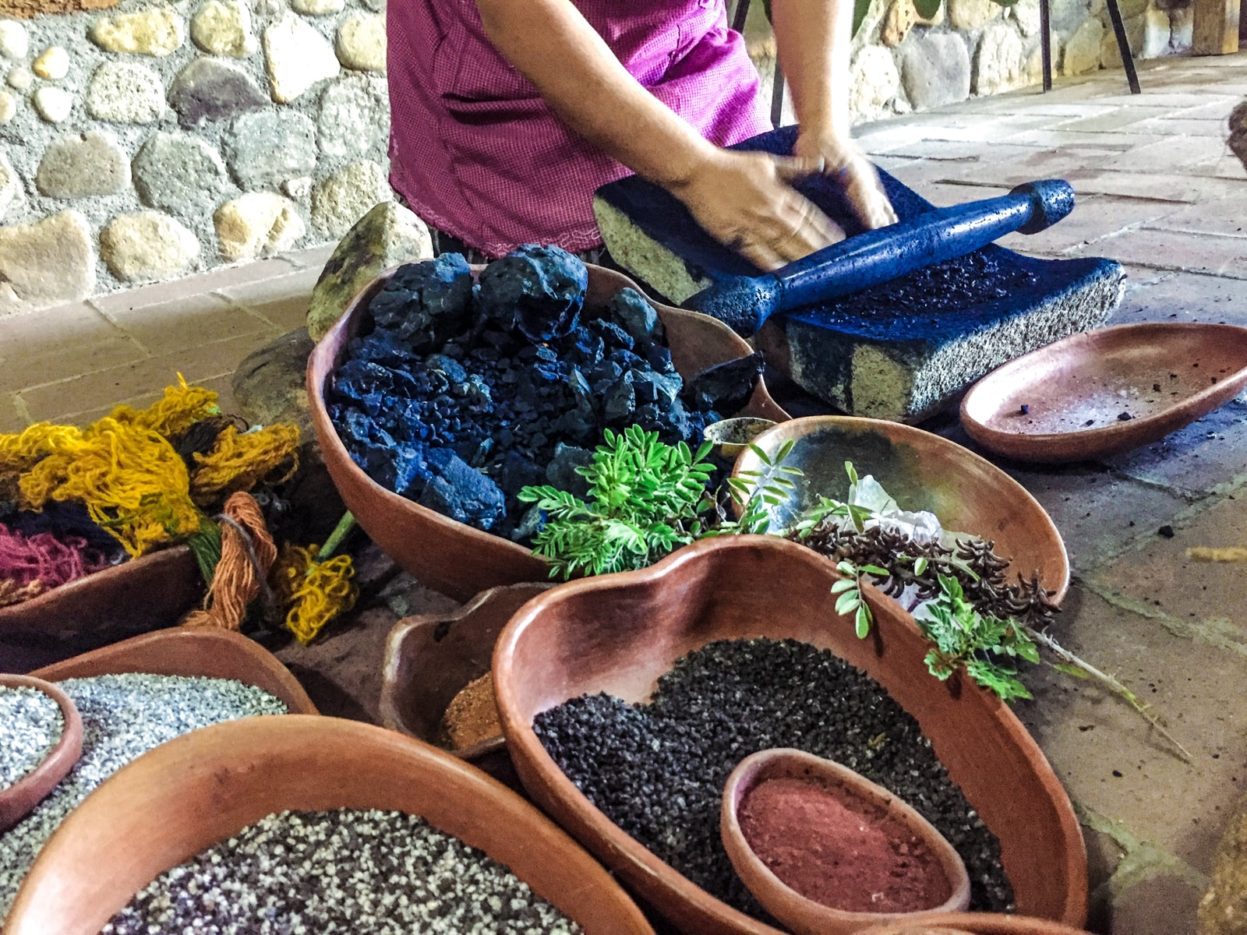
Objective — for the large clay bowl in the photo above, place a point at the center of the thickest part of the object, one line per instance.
(1161, 375)
(449, 556)
(211, 653)
(140, 595)
(799, 913)
(17, 800)
(619, 633)
(199, 789)
(430, 658)
(974, 923)
(921, 471)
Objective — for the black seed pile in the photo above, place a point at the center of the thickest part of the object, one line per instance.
(458, 395)
(345, 871)
(658, 769)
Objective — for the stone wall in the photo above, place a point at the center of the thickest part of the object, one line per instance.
(902, 62)
(147, 141)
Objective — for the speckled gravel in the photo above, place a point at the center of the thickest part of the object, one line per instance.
(658, 769)
(30, 725)
(346, 871)
(123, 716)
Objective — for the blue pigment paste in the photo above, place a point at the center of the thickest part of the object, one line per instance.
(456, 396)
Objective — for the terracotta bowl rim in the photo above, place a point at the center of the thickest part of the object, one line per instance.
(753, 770)
(177, 552)
(327, 433)
(626, 849)
(287, 729)
(861, 423)
(295, 697)
(991, 437)
(34, 787)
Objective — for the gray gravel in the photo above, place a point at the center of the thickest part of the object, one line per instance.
(346, 871)
(30, 725)
(123, 716)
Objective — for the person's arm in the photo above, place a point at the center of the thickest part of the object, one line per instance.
(744, 200)
(813, 39)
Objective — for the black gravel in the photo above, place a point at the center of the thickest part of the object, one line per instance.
(657, 770)
(344, 871)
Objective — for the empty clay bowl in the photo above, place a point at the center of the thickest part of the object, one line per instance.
(429, 659)
(452, 557)
(17, 800)
(619, 633)
(921, 471)
(203, 787)
(875, 804)
(1107, 391)
(135, 597)
(182, 651)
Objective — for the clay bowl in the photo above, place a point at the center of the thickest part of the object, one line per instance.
(619, 633)
(181, 651)
(973, 923)
(17, 800)
(430, 658)
(452, 557)
(732, 436)
(135, 597)
(1163, 375)
(201, 788)
(921, 471)
(806, 916)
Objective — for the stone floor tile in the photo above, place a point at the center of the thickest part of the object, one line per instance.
(1111, 760)
(39, 346)
(1178, 250)
(1093, 219)
(1114, 120)
(281, 301)
(11, 417)
(184, 322)
(1189, 189)
(222, 278)
(1153, 295)
(1048, 138)
(1229, 220)
(1169, 155)
(89, 392)
(311, 257)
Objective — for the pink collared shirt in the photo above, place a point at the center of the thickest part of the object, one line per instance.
(477, 153)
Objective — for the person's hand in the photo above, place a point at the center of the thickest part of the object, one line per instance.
(746, 201)
(861, 182)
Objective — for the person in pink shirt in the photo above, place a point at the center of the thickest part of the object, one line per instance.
(508, 114)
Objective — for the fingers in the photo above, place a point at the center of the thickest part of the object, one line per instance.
(796, 168)
(866, 196)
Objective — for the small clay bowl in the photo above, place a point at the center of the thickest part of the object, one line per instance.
(17, 800)
(199, 789)
(449, 556)
(1063, 402)
(182, 651)
(922, 471)
(620, 633)
(799, 913)
(732, 436)
(114, 604)
(430, 658)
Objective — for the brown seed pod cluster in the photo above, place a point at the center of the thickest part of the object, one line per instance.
(973, 562)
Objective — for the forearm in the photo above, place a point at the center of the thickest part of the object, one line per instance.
(813, 39)
(555, 48)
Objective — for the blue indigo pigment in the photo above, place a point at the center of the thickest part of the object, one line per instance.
(456, 395)
(657, 769)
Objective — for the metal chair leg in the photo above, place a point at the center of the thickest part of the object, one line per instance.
(1123, 46)
(1045, 42)
(739, 15)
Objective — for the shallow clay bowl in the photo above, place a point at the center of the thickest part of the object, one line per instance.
(181, 651)
(430, 658)
(619, 633)
(1162, 375)
(973, 923)
(122, 601)
(921, 471)
(204, 787)
(17, 800)
(452, 557)
(799, 913)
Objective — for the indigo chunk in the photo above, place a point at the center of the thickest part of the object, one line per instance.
(539, 290)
